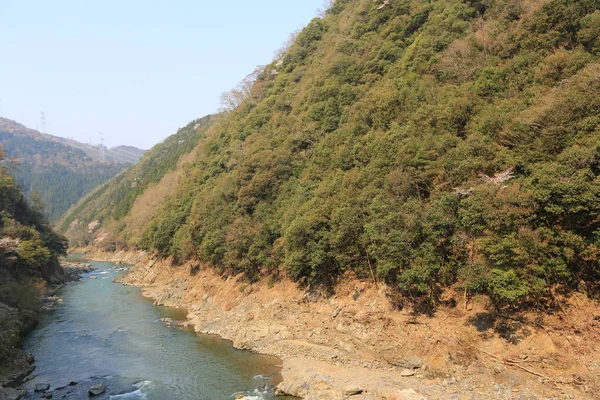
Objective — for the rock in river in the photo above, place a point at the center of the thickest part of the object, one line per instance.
(97, 389)
(41, 387)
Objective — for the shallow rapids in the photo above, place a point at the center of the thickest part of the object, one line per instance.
(104, 332)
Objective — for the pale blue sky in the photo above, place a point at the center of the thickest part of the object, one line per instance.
(135, 70)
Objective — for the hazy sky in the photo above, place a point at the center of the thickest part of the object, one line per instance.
(135, 70)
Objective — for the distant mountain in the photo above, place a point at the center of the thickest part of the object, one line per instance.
(61, 170)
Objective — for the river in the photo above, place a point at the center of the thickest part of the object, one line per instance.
(105, 332)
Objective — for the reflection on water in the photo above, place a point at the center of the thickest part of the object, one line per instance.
(106, 332)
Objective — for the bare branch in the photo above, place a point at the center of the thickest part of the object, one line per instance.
(385, 4)
(9, 245)
(499, 178)
(463, 192)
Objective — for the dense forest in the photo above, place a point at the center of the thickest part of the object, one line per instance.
(58, 172)
(114, 200)
(28, 259)
(426, 145)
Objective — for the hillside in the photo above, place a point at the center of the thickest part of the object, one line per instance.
(28, 260)
(128, 202)
(438, 147)
(61, 170)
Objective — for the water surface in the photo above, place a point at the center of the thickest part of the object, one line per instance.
(109, 333)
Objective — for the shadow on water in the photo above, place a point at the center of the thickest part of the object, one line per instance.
(108, 333)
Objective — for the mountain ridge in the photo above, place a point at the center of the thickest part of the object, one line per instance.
(60, 170)
(119, 154)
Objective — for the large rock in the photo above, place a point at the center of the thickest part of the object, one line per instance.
(97, 389)
(42, 387)
(52, 272)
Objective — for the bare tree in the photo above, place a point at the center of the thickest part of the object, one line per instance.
(499, 178)
(327, 4)
(285, 47)
(243, 91)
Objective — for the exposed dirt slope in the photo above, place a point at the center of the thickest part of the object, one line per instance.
(357, 341)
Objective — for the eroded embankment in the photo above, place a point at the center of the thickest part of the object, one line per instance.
(355, 343)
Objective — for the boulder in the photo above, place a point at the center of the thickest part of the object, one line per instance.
(97, 389)
(41, 387)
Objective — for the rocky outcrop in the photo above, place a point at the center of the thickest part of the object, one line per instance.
(52, 272)
(74, 270)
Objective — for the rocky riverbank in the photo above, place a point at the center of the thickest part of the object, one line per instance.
(73, 272)
(19, 365)
(355, 344)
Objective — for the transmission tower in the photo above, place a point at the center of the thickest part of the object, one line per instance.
(43, 121)
(102, 152)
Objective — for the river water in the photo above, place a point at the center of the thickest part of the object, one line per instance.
(105, 332)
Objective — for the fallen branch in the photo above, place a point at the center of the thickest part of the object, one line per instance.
(516, 364)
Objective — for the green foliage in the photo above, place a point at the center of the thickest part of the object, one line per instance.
(371, 147)
(27, 247)
(589, 35)
(59, 173)
(33, 253)
(115, 199)
(24, 297)
(60, 186)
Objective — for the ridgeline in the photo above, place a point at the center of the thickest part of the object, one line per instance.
(58, 172)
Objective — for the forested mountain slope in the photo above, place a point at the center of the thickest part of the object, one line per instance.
(124, 205)
(62, 171)
(28, 257)
(424, 144)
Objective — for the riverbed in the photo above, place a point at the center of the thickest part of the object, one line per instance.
(108, 333)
